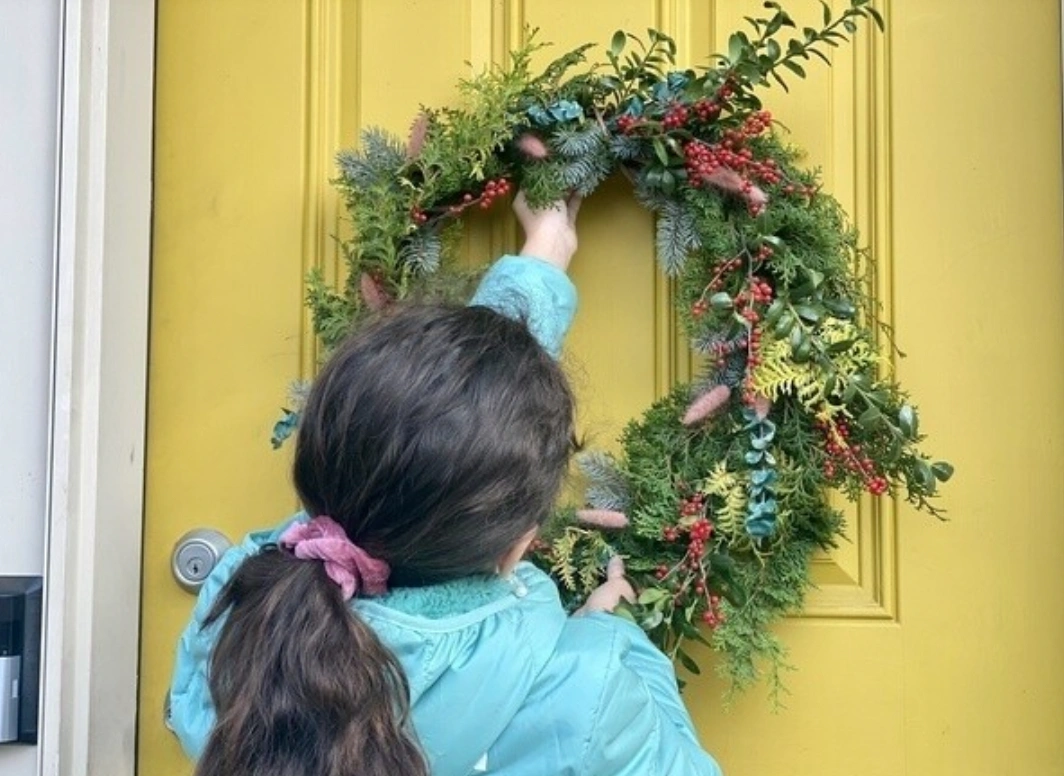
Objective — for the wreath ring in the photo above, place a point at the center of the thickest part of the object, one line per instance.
(718, 497)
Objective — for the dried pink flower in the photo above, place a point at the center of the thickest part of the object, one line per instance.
(602, 518)
(729, 180)
(532, 147)
(418, 130)
(706, 405)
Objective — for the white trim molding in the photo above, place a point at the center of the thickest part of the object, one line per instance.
(92, 578)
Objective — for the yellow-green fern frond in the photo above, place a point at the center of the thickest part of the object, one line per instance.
(579, 557)
(780, 375)
(729, 504)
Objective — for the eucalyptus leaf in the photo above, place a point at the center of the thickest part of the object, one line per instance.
(942, 470)
(721, 301)
(907, 421)
(925, 475)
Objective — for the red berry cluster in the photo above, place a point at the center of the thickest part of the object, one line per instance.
(703, 159)
(722, 269)
(706, 110)
(713, 616)
(697, 527)
(675, 117)
(693, 505)
(627, 123)
(721, 350)
(726, 90)
(758, 292)
(493, 190)
(756, 123)
(850, 457)
(700, 532)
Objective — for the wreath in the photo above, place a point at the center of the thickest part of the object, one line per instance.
(720, 489)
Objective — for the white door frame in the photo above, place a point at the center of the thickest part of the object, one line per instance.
(96, 482)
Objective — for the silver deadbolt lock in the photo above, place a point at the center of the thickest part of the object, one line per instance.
(195, 556)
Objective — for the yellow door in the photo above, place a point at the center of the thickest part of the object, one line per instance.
(930, 648)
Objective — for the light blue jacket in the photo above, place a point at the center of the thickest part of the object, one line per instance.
(501, 680)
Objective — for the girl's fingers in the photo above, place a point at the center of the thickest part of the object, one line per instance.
(615, 568)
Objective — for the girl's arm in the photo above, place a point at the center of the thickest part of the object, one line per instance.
(533, 286)
(639, 724)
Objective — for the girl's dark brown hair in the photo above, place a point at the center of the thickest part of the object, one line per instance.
(438, 438)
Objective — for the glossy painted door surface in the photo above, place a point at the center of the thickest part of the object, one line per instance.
(929, 648)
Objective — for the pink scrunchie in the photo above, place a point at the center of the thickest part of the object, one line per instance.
(347, 564)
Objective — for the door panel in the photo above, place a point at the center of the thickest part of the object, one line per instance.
(929, 648)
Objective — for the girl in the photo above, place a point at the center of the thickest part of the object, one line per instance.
(391, 629)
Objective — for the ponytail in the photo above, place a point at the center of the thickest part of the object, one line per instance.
(301, 686)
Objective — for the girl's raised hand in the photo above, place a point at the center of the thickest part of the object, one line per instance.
(608, 596)
(550, 232)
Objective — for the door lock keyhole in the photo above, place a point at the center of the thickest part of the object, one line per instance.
(195, 556)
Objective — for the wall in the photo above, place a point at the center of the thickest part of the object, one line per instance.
(29, 96)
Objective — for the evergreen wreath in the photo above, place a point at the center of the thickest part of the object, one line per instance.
(719, 496)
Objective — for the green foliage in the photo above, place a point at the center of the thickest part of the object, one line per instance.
(606, 484)
(726, 513)
(676, 236)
